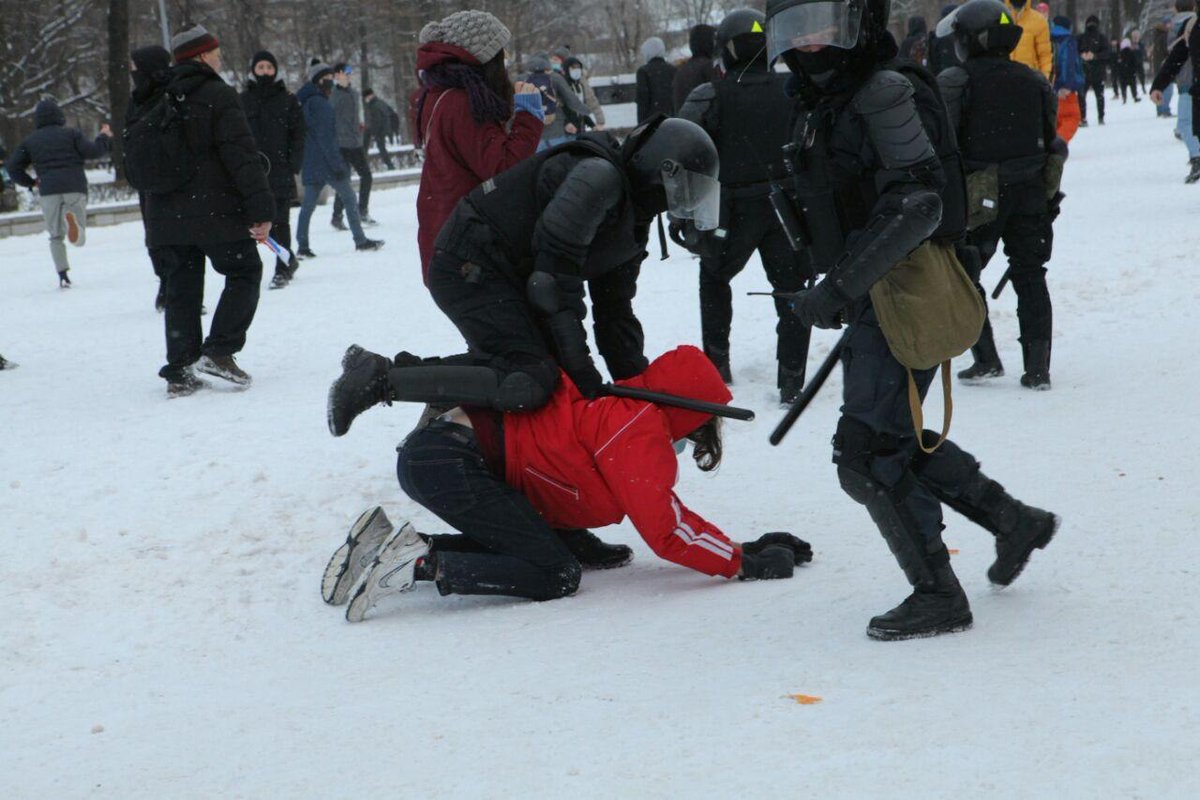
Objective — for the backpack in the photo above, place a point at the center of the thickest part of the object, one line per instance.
(158, 158)
(545, 84)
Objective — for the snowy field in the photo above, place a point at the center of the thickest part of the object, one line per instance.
(164, 636)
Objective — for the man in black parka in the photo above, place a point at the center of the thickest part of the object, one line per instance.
(1017, 140)
(150, 69)
(1096, 54)
(225, 207)
(278, 126)
(747, 114)
(877, 175)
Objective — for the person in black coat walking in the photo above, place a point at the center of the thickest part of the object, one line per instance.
(57, 153)
(220, 213)
(150, 69)
(379, 124)
(278, 127)
(655, 81)
(1182, 64)
(699, 69)
(1095, 52)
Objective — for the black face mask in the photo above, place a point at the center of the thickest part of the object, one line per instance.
(264, 80)
(326, 86)
(820, 67)
(140, 79)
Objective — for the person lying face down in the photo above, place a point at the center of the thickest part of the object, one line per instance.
(507, 481)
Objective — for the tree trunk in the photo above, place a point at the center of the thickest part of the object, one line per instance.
(118, 77)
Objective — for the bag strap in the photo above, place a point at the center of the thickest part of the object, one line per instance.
(429, 124)
(918, 416)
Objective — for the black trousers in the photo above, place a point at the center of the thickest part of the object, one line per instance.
(875, 435)
(381, 143)
(183, 278)
(1093, 82)
(281, 226)
(494, 318)
(505, 546)
(752, 225)
(1023, 223)
(356, 157)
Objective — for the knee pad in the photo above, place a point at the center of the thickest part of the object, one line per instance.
(522, 391)
(853, 444)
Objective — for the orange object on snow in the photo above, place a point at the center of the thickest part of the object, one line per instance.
(805, 699)
(1068, 116)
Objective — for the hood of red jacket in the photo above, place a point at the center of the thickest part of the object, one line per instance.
(431, 54)
(687, 372)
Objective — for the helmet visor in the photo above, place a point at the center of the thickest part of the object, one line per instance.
(945, 26)
(827, 24)
(692, 195)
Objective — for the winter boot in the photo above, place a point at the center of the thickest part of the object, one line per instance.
(356, 554)
(393, 571)
(1019, 529)
(720, 360)
(185, 385)
(1037, 365)
(791, 384)
(937, 605)
(368, 244)
(362, 384)
(63, 281)
(592, 552)
(1194, 174)
(987, 360)
(223, 367)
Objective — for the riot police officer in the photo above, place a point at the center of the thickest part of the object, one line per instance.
(1005, 116)
(747, 114)
(876, 176)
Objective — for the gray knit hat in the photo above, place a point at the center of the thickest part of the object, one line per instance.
(318, 70)
(192, 42)
(477, 32)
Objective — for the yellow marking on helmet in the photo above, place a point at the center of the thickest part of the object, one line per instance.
(1004, 20)
(756, 28)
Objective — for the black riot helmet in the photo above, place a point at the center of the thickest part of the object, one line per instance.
(823, 37)
(980, 27)
(673, 166)
(742, 37)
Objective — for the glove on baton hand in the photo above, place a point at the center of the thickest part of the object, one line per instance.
(819, 307)
(801, 550)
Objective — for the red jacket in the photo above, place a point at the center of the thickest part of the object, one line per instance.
(585, 464)
(459, 154)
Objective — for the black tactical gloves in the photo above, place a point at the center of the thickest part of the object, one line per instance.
(773, 561)
(822, 306)
(801, 550)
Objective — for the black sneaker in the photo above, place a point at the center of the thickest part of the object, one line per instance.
(337, 223)
(223, 367)
(186, 384)
(305, 252)
(280, 280)
(368, 244)
(63, 281)
(362, 384)
(592, 552)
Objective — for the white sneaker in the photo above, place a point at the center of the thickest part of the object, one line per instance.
(392, 572)
(351, 560)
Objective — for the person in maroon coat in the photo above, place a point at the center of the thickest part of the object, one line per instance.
(461, 116)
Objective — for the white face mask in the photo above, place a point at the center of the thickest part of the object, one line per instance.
(575, 73)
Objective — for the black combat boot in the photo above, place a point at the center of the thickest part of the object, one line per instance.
(937, 605)
(720, 360)
(362, 384)
(1019, 529)
(987, 360)
(1037, 365)
(592, 552)
(791, 384)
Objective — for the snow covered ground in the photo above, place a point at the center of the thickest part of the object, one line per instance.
(163, 633)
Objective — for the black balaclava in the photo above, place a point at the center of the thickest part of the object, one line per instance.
(152, 64)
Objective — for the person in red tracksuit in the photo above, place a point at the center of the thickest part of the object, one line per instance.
(461, 116)
(506, 481)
